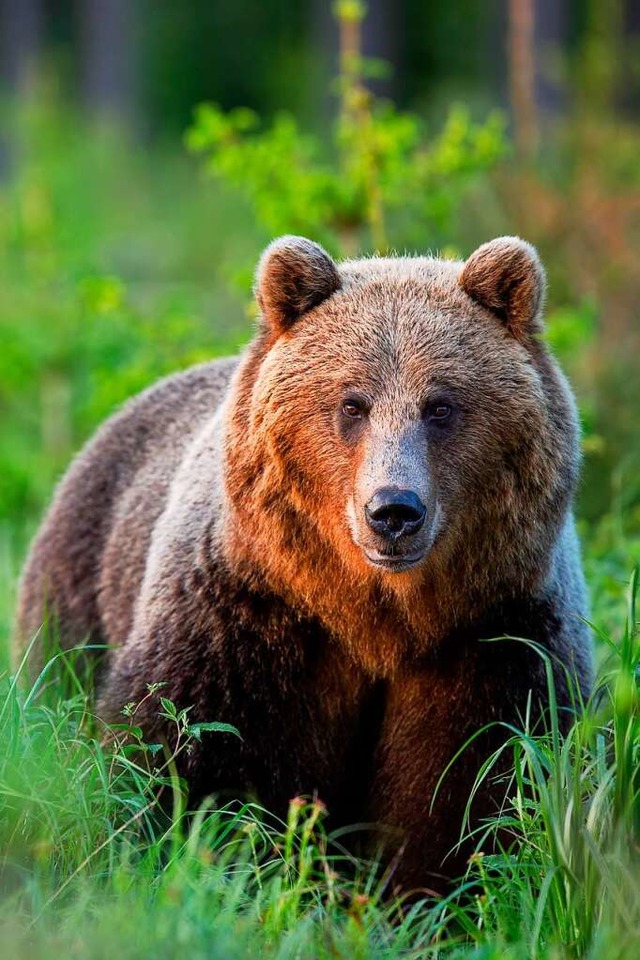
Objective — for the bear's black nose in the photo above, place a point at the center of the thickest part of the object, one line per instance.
(395, 513)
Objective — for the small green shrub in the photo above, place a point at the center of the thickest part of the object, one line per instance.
(375, 181)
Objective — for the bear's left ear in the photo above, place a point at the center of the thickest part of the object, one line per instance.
(293, 276)
(506, 277)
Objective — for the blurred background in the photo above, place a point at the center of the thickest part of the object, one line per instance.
(131, 216)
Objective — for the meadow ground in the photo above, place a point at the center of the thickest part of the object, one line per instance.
(102, 291)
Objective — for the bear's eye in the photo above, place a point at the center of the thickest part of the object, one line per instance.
(353, 409)
(438, 412)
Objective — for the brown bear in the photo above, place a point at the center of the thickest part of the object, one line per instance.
(313, 541)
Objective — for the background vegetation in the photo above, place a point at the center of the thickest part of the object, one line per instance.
(126, 252)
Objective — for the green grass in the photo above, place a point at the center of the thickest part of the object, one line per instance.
(91, 867)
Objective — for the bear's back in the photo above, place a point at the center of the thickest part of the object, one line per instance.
(78, 579)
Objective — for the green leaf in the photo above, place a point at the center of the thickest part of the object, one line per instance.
(169, 707)
(197, 729)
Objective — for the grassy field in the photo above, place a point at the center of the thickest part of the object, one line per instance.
(117, 266)
(91, 868)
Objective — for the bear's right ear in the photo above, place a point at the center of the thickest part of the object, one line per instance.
(293, 276)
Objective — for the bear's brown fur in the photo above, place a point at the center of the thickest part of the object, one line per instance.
(218, 534)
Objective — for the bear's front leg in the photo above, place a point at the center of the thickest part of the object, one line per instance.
(430, 714)
(425, 725)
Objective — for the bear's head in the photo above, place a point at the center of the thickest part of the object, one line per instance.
(398, 429)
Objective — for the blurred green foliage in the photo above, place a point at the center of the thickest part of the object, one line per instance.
(113, 272)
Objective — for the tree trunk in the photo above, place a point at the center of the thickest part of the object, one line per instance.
(551, 32)
(521, 49)
(108, 56)
(21, 24)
